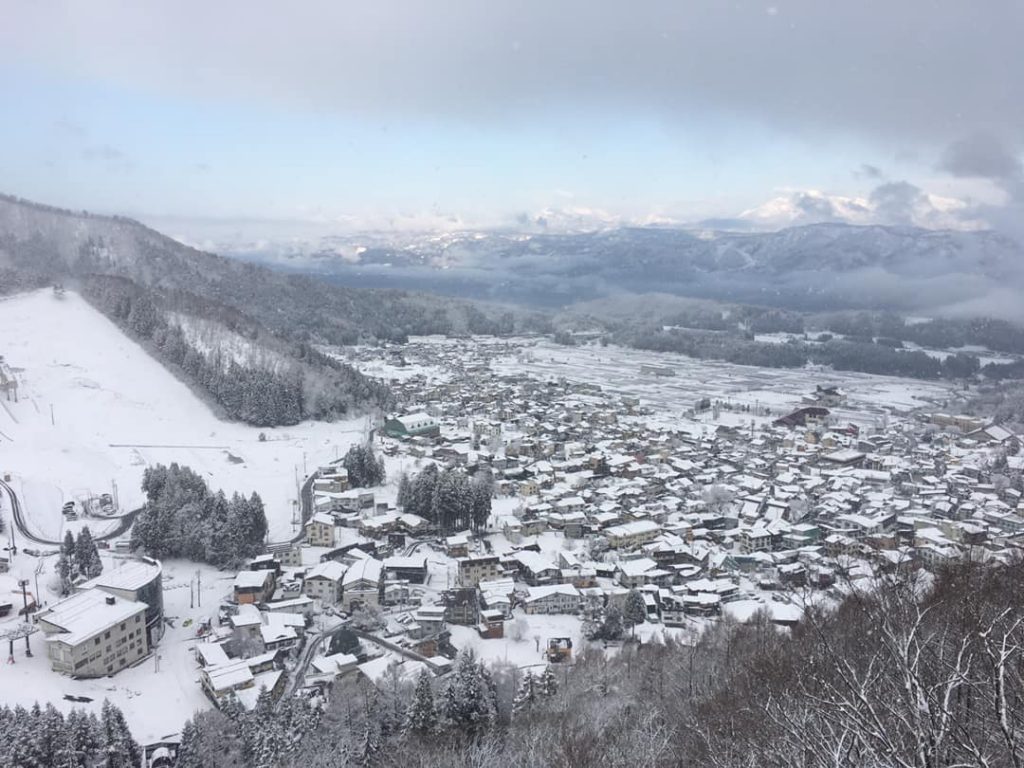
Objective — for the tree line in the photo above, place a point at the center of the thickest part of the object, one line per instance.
(182, 517)
(260, 738)
(289, 384)
(450, 499)
(842, 355)
(44, 737)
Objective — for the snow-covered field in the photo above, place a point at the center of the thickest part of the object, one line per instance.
(617, 370)
(94, 410)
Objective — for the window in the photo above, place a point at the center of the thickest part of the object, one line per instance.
(96, 641)
(123, 625)
(106, 635)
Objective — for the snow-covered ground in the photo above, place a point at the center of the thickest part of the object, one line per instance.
(157, 696)
(617, 371)
(94, 410)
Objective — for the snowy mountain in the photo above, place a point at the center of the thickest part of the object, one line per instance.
(809, 267)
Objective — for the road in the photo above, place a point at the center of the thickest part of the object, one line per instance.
(125, 521)
(305, 509)
(298, 676)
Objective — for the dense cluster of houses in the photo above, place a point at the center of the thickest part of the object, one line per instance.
(593, 502)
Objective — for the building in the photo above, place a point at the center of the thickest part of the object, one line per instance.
(461, 606)
(320, 530)
(324, 582)
(254, 586)
(94, 633)
(554, 598)
(412, 569)
(363, 583)
(473, 570)
(141, 581)
(412, 425)
(632, 534)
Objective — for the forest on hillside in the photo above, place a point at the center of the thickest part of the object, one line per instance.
(284, 384)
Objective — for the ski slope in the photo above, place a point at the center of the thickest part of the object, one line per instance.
(94, 410)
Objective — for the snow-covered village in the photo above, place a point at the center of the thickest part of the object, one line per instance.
(526, 503)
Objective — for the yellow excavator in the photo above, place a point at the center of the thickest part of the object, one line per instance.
(559, 649)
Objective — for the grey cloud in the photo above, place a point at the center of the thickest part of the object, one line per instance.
(897, 202)
(912, 69)
(983, 156)
(104, 152)
(70, 127)
(110, 157)
(868, 171)
(816, 208)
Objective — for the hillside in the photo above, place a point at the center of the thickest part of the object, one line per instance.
(40, 241)
(160, 291)
(95, 409)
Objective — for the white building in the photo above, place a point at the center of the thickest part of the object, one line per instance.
(323, 582)
(94, 633)
(553, 598)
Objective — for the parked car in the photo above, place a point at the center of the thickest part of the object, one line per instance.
(29, 551)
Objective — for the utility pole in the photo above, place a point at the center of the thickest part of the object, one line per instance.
(199, 590)
(39, 567)
(23, 583)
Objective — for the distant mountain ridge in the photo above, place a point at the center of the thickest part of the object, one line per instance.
(811, 267)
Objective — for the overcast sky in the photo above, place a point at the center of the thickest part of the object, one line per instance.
(467, 112)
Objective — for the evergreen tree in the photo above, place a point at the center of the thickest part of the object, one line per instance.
(526, 694)
(83, 735)
(188, 749)
(481, 493)
(422, 718)
(470, 703)
(23, 739)
(547, 686)
(405, 492)
(119, 747)
(87, 556)
(635, 610)
(51, 734)
(365, 470)
(64, 570)
(452, 503)
(422, 503)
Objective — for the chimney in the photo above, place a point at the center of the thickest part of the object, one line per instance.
(111, 599)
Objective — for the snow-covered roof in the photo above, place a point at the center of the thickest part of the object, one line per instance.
(88, 613)
(321, 518)
(130, 576)
(539, 593)
(251, 579)
(366, 569)
(331, 570)
(633, 528)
